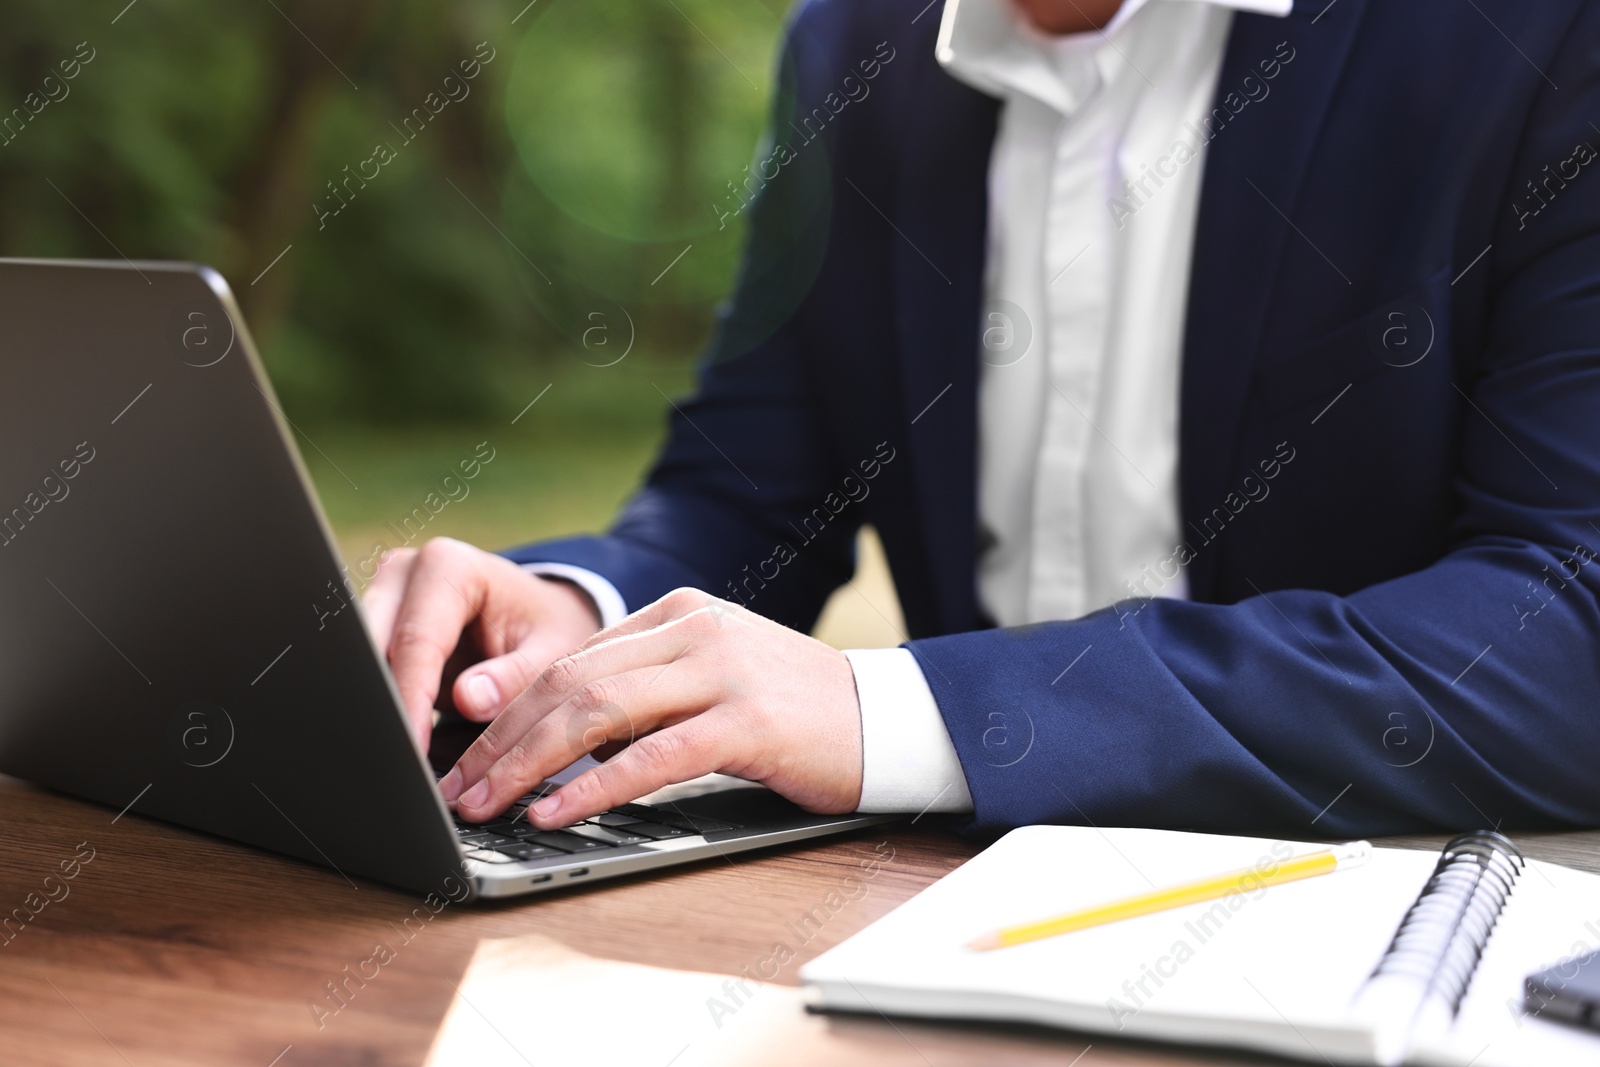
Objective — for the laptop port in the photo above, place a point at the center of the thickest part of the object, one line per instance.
(579, 873)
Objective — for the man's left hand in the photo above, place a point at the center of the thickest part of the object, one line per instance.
(684, 687)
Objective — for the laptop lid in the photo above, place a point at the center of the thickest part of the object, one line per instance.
(176, 636)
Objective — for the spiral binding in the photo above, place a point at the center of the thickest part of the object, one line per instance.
(1443, 935)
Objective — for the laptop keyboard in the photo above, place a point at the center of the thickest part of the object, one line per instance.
(510, 837)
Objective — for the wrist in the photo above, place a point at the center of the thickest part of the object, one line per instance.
(573, 611)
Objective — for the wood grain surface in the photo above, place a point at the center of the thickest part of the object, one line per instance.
(171, 947)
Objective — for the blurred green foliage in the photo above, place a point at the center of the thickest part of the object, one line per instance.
(516, 236)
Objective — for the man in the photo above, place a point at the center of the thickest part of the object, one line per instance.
(1222, 379)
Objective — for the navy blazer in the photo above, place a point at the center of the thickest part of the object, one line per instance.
(1389, 427)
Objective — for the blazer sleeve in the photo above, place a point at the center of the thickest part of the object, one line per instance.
(747, 454)
(1466, 694)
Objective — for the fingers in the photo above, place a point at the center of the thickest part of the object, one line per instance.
(580, 675)
(445, 590)
(696, 685)
(566, 615)
(677, 754)
(675, 605)
(381, 601)
(503, 765)
(422, 602)
(482, 692)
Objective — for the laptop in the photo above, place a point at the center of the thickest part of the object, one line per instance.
(177, 636)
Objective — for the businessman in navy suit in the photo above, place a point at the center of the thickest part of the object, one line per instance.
(1283, 519)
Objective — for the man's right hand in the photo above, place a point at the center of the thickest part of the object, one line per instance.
(424, 603)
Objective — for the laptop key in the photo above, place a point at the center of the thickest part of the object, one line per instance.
(517, 831)
(697, 823)
(615, 818)
(567, 842)
(487, 840)
(484, 855)
(668, 817)
(647, 814)
(525, 850)
(657, 832)
(606, 835)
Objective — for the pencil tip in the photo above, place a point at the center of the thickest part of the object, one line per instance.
(984, 943)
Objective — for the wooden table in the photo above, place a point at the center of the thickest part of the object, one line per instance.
(174, 948)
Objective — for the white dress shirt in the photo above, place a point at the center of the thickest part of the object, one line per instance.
(1092, 211)
(1094, 191)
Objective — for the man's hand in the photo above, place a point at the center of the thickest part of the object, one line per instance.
(425, 603)
(684, 687)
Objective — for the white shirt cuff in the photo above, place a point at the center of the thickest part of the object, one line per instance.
(607, 601)
(907, 760)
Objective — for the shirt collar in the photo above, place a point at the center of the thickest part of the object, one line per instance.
(988, 45)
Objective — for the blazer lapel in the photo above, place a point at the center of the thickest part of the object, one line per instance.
(940, 207)
(1253, 175)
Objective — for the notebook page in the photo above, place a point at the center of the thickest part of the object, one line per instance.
(1275, 969)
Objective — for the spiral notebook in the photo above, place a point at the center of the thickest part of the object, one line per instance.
(1415, 957)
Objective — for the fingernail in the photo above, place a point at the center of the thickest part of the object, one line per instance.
(482, 693)
(547, 807)
(475, 796)
(450, 785)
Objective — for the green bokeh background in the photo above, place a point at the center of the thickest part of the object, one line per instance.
(590, 148)
(518, 242)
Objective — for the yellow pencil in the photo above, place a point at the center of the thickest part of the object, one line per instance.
(1247, 880)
